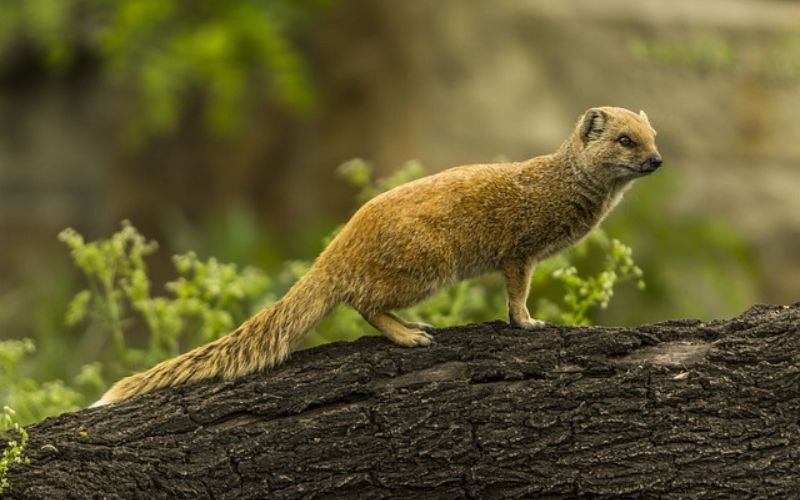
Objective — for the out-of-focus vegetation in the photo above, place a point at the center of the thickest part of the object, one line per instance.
(33, 398)
(702, 52)
(171, 53)
(706, 51)
(696, 265)
(207, 300)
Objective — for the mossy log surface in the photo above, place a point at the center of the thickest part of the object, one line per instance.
(682, 409)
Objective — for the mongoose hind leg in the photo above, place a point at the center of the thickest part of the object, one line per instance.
(397, 332)
(517, 275)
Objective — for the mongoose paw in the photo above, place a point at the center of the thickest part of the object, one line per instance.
(528, 323)
(412, 338)
(419, 326)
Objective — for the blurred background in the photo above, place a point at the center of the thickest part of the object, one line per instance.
(218, 126)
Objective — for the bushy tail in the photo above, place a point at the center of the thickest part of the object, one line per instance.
(263, 341)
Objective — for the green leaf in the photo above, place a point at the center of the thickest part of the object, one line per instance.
(78, 308)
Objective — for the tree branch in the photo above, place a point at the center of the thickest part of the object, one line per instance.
(678, 409)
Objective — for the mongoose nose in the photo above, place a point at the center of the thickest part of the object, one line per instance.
(655, 162)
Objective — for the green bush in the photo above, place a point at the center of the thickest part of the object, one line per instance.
(207, 300)
(169, 53)
(32, 399)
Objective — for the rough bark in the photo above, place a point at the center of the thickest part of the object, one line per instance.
(682, 409)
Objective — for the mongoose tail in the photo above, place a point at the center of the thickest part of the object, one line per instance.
(261, 342)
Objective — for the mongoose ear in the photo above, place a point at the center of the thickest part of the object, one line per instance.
(592, 125)
(643, 116)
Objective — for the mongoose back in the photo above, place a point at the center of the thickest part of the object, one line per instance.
(409, 242)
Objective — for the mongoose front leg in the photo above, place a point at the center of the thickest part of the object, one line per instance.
(412, 324)
(397, 332)
(517, 275)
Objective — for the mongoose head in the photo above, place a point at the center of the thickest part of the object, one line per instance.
(617, 144)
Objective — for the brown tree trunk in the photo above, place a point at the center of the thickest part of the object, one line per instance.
(682, 409)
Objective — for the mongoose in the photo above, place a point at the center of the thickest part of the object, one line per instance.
(407, 243)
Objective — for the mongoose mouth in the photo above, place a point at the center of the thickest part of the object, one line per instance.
(647, 167)
(640, 170)
(647, 170)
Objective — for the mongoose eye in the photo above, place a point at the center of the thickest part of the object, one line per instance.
(626, 141)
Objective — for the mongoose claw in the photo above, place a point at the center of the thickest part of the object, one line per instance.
(422, 338)
(419, 326)
(414, 338)
(529, 323)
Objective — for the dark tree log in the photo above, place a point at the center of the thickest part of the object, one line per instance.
(682, 409)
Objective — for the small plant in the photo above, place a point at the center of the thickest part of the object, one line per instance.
(31, 399)
(584, 293)
(115, 270)
(12, 454)
(205, 302)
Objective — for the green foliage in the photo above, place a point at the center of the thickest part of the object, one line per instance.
(206, 300)
(582, 294)
(696, 265)
(115, 272)
(778, 60)
(167, 52)
(782, 62)
(235, 235)
(12, 454)
(703, 51)
(359, 174)
(44, 25)
(31, 399)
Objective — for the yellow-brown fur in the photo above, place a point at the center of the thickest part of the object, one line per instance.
(407, 243)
